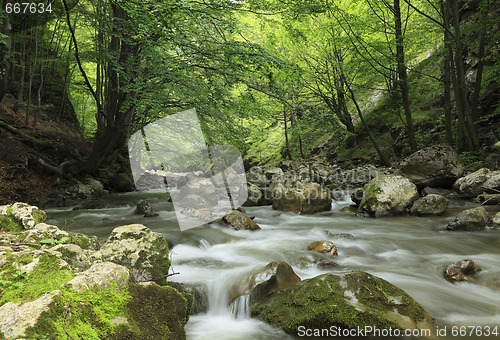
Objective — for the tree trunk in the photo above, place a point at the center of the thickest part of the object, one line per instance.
(402, 75)
(285, 118)
(5, 62)
(20, 89)
(461, 95)
(383, 157)
(447, 84)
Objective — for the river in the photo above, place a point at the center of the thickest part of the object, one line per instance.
(410, 252)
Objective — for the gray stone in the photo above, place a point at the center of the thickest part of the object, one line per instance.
(431, 204)
(472, 184)
(264, 281)
(436, 165)
(142, 251)
(388, 195)
(103, 275)
(310, 199)
(26, 215)
(469, 220)
(15, 318)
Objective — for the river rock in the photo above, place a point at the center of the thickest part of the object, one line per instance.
(264, 281)
(461, 271)
(202, 187)
(23, 215)
(488, 199)
(142, 251)
(256, 176)
(311, 199)
(469, 220)
(102, 275)
(15, 318)
(388, 195)
(74, 255)
(325, 247)
(144, 208)
(239, 221)
(496, 218)
(256, 196)
(436, 165)
(93, 189)
(430, 205)
(347, 300)
(482, 180)
(43, 231)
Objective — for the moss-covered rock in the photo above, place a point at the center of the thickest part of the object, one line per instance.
(138, 248)
(388, 195)
(20, 216)
(347, 300)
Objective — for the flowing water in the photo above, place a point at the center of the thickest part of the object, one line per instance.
(409, 252)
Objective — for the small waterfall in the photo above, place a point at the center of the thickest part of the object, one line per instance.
(240, 308)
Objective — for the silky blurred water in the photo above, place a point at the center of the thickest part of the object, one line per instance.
(410, 252)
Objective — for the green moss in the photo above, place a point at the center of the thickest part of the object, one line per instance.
(85, 242)
(38, 216)
(322, 302)
(9, 211)
(144, 312)
(10, 225)
(45, 277)
(91, 312)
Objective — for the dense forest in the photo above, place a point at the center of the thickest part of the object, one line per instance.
(360, 81)
(366, 201)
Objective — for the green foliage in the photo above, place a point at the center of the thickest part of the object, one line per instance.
(9, 224)
(470, 160)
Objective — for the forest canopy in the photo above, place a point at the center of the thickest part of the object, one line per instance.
(277, 79)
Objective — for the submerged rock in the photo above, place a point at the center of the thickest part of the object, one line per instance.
(310, 199)
(144, 208)
(388, 195)
(461, 271)
(431, 204)
(325, 247)
(264, 281)
(347, 300)
(436, 165)
(138, 248)
(469, 220)
(239, 221)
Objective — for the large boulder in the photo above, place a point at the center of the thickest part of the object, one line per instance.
(142, 251)
(388, 195)
(347, 300)
(264, 281)
(310, 199)
(430, 205)
(469, 220)
(436, 165)
(482, 180)
(239, 221)
(20, 216)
